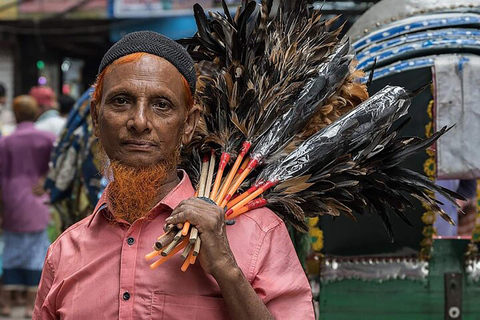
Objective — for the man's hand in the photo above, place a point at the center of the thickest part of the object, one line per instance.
(215, 254)
(38, 189)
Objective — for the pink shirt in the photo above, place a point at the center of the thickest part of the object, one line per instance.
(97, 270)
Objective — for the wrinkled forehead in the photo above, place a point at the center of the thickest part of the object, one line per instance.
(145, 74)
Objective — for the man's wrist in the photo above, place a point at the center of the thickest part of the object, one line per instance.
(227, 270)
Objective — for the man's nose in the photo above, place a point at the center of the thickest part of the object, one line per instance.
(139, 120)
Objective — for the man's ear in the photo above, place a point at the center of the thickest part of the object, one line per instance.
(94, 115)
(190, 124)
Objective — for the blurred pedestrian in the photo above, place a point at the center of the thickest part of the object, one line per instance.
(49, 118)
(65, 104)
(24, 157)
(7, 120)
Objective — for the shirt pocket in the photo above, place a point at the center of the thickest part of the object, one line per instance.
(173, 306)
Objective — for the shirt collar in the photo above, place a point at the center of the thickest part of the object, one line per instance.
(24, 125)
(183, 190)
(48, 114)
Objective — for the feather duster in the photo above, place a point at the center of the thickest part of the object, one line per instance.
(281, 97)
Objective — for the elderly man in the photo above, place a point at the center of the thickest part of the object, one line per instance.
(142, 112)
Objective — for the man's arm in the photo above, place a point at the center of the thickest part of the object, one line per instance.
(42, 309)
(217, 259)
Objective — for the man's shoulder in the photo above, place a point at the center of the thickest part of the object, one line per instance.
(44, 134)
(69, 236)
(264, 218)
(35, 133)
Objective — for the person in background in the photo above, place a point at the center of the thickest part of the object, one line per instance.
(65, 104)
(49, 118)
(7, 120)
(24, 157)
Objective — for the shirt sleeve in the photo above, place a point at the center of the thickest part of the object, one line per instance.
(42, 309)
(279, 279)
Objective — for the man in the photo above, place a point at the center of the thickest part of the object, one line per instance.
(24, 157)
(49, 119)
(142, 112)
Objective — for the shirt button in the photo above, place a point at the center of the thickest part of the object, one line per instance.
(126, 295)
(130, 241)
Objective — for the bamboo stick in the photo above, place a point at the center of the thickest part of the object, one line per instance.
(171, 246)
(193, 235)
(236, 200)
(245, 147)
(252, 165)
(239, 172)
(211, 171)
(203, 176)
(264, 187)
(186, 262)
(196, 247)
(164, 240)
(178, 235)
(193, 258)
(186, 251)
(242, 168)
(228, 181)
(221, 167)
(169, 256)
(254, 204)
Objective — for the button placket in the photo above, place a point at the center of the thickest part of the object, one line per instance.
(127, 269)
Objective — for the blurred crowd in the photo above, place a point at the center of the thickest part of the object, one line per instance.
(28, 130)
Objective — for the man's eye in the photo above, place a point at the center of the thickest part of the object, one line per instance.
(161, 105)
(120, 101)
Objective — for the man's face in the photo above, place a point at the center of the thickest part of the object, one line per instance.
(142, 116)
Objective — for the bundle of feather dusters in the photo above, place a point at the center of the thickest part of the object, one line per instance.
(285, 124)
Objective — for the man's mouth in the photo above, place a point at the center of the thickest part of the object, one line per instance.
(139, 144)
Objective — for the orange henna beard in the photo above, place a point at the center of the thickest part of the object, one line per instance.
(134, 191)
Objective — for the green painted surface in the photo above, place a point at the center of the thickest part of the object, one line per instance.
(402, 299)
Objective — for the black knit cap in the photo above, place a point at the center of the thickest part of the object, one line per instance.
(156, 44)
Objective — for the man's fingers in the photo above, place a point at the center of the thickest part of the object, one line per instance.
(176, 218)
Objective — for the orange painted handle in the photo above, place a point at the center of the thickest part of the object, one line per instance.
(187, 263)
(254, 204)
(251, 165)
(152, 255)
(233, 171)
(221, 167)
(185, 229)
(236, 200)
(193, 259)
(245, 163)
(229, 179)
(162, 260)
(264, 187)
